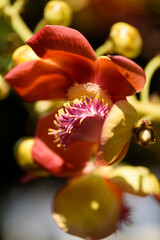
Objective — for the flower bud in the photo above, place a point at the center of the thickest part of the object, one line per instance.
(145, 134)
(4, 88)
(58, 13)
(23, 54)
(126, 39)
(78, 5)
(23, 156)
(89, 207)
(42, 107)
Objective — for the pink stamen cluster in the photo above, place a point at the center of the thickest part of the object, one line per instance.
(78, 119)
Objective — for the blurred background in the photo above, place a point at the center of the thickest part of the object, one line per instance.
(25, 209)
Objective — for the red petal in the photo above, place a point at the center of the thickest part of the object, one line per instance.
(132, 72)
(51, 38)
(58, 161)
(42, 80)
(69, 58)
(157, 196)
(78, 68)
(38, 80)
(67, 48)
(120, 76)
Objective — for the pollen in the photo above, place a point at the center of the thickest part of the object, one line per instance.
(79, 120)
(88, 90)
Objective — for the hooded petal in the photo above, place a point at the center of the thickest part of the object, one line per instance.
(116, 132)
(67, 48)
(69, 58)
(89, 207)
(78, 69)
(120, 76)
(57, 160)
(51, 38)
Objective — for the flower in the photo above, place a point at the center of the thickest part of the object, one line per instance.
(90, 207)
(103, 210)
(68, 69)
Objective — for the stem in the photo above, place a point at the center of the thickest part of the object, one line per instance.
(150, 111)
(41, 24)
(17, 23)
(150, 69)
(106, 48)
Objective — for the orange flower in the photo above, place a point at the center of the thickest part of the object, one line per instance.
(67, 68)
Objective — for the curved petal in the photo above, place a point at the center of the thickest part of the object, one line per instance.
(132, 72)
(68, 49)
(57, 160)
(78, 68)
(135, 180)
(120, 78)
(100, 160)
(116, 132)
(42, 80)
(38, 80)
(51, 38)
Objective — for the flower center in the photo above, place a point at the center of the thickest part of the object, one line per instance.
(80, 120)
(88, 90)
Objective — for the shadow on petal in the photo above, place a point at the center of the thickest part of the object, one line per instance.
(116, 132)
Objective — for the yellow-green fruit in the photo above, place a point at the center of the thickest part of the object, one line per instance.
(88, 207)
(126, 39)
(23, 54)
(58, 13)
(135, 180)
(23, 156)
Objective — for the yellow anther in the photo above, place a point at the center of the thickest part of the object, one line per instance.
(97, 96)
(81, 120)
(76, 101)
(55, 122)
(60, 111)
(59, 145)
(50, 133)
(66, 104)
